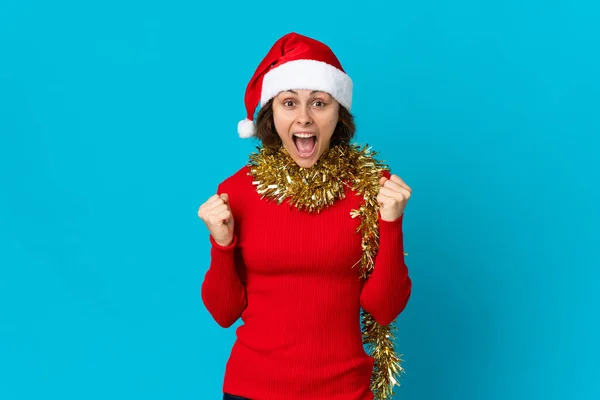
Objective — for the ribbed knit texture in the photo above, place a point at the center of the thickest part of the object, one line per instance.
(288, 274)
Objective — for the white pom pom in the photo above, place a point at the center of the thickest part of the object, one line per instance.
(246, 128)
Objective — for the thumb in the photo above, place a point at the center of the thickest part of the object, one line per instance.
(225, 197)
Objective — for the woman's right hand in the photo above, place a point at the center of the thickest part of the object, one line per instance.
(217, 216)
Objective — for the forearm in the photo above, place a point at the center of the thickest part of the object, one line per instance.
(223, 292)
(386, 292)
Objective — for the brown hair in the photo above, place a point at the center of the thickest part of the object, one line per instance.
(266, 133)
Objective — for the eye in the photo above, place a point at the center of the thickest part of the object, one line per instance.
(322, 103)
(286, 103)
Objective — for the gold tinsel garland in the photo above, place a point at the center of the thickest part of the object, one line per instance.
(277, 176)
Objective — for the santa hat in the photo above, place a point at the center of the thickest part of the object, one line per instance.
(295, 62)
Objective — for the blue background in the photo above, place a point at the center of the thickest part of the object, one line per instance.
(118, 119)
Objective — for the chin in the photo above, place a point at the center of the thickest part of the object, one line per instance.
(304, 163)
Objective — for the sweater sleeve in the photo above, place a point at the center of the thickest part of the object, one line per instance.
(386, 292)
(223, 291)
(224, 287)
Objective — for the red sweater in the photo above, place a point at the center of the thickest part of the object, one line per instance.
(288, 274)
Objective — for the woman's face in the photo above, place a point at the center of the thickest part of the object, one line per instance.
(305, 121)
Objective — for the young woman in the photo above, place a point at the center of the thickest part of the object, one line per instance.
(303, 237)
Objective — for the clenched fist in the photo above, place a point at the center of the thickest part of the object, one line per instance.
(392, 197)
(217, 216)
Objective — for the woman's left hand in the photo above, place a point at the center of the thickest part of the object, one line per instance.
(392, 197)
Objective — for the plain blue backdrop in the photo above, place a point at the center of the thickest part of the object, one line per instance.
(118, 119)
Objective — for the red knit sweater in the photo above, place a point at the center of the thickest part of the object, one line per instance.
(288, 274)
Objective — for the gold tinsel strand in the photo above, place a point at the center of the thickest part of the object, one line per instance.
(277, 176)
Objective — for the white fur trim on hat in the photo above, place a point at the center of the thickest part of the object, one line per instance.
(246, 128)
(307, 74)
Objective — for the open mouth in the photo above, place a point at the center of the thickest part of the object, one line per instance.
(306, 143)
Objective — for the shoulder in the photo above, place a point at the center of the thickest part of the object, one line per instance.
(366, 155)
(239, 188)
(237, 182)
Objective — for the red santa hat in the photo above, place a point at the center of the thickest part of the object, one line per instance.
(295, 62)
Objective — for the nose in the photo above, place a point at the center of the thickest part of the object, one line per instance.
(304, 118)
